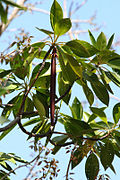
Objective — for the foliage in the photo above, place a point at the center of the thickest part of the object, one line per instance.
(91, 66)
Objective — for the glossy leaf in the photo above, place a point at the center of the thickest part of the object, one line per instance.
(6, 132)
(74, 65)
(116, 113)
(56, 13)
(105, 56)
(44, 97)
(32, 121)
(36, 69)
(107, 155)
(92, 39)
(6, 166)
(115, 78)
(37, 45)
(101, 41)
(110, 41)
(92, 167)
(105, 81)
(58, 140)
(4, 72)
(45, 31)
(77, 127)
(39, 106)
(3, 14)
(63, 87)
(114, 63)
(78, 156)
(98, 88)
(62, 26)
(88, 93)
(2, 174)
(82, 48)
(67, 71)
(98, 112)
(77, 109)
(11, 3)
(101, 92)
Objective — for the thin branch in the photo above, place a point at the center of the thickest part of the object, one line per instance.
(65, 8)
(38, 10)
(18, 118)
(12, 16)
(33, 134)
(61, 97)
(70, 162)
(85, 138)
(61, 145)
(24, 165)
(79, 6)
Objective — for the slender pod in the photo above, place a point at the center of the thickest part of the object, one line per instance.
(53, 86)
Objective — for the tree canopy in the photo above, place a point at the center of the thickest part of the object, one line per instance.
(42, 89)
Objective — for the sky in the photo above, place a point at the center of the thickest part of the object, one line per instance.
(107, 17)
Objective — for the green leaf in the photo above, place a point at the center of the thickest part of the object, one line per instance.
(36, 69)
(86, 116)
(56, 13)
(4, 72)
(62, 26)
(45, 31)
(6, 132)
(105, 81)
(3, 14)
(98, 112)
(44, 99)
(114, 63)
(63, 87)
(39, 106)
(17, 158)
(101, 41)
(78, 156)
(110, 41)
(115, 78)
(11, 3)
(31, 121)
(67, 71)
(77, 109)
(98, 88)
(82, 48)
(38, 45)
(107, 155)
(101, 92)
(76, 127)
(2, 174)
(6, 166)
(105, 56)
(74, 65)
(116, 113)
(58, 140)
(92, 167)
(88, 93)
(3, 120)
(92, 39)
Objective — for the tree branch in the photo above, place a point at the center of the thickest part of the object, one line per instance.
(12, 16)
(18, 117)
(24, 165)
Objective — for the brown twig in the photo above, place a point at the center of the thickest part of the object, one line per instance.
(18, 117)
(68, 167)
(53, 86)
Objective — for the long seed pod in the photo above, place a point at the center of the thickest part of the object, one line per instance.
(53, 86)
